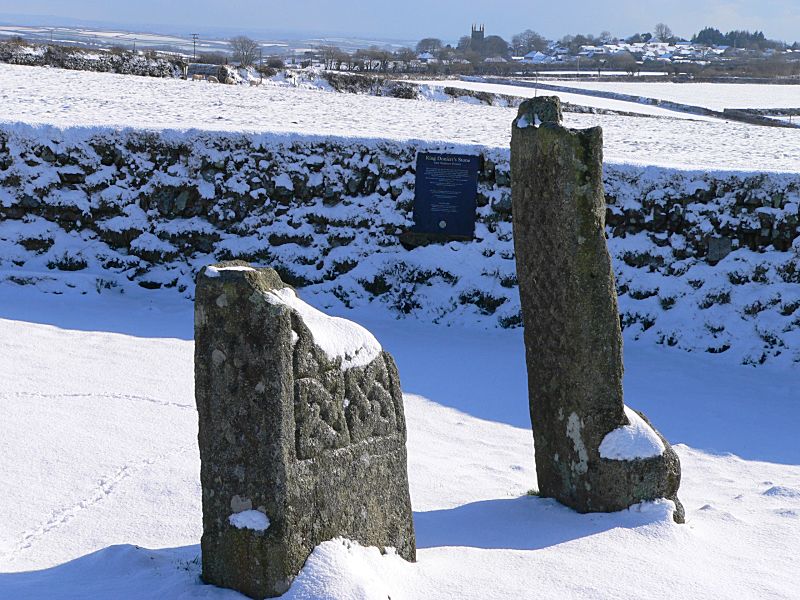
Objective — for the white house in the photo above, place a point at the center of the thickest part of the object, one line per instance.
(535, 57)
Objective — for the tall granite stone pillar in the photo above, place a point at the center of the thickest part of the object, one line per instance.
(302, 432)
(592, 452)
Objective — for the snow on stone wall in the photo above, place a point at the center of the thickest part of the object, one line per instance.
(704, 261)
(81, 60)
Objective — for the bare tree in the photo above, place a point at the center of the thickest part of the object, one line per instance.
(464, 43)
(340, 57)
(374, 58)
(429, 45)
(662, 33)
(405, 54)
(354, 62)
(494, 45)
(574, 42)
(528, 41)
(445, 54)
(369, 59)
(329, 54)
(624, 61)
(212, 58)
(383, 57)
(245, 50)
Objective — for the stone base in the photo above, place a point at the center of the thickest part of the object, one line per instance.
(615, 485)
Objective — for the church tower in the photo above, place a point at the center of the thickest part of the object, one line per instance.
(477, 36)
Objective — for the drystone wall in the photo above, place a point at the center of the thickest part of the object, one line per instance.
(76, 59)
(703, 261)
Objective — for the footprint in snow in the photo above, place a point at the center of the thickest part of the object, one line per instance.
(715, 512)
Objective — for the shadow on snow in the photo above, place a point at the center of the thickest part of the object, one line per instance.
(526, 523)
(122, 572)
(125, 571)
(706, 402)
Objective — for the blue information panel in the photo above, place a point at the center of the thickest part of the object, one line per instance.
(445, 194)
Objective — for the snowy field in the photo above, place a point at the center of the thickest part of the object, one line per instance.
(579, 99)
(100, 492)
(715, 96)
(100, 38)
(77, 98)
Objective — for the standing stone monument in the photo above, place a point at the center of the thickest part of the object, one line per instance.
(592, 452)
(302, 432)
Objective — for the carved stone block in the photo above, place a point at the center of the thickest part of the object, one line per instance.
(302, 433)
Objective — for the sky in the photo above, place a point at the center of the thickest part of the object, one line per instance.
(415, 19)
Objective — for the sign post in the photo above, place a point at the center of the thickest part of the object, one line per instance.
(445, 198)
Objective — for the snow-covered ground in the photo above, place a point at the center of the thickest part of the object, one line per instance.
(579, 99)
(79, 98)
(99, 475)
(715, 96)
(100, 493)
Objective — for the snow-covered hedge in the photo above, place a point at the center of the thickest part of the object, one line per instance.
(705, 261)
(77, 59)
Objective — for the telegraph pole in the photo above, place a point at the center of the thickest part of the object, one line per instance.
(194, 46)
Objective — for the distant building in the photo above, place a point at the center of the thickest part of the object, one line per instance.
(478, 35)
(535, 57)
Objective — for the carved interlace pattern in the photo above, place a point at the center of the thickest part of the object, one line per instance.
(336, 408)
